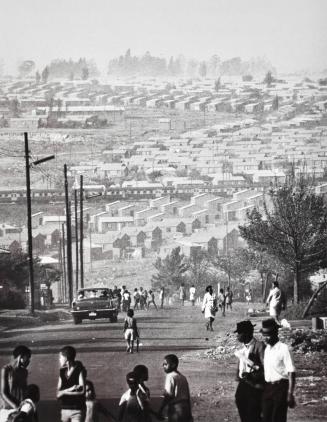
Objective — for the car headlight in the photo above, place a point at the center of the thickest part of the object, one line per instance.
(77, 308)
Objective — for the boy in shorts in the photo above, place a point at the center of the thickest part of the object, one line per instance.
(130, 331)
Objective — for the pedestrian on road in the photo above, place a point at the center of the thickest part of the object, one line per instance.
(279, 371)
(250, 373)
(229, 298)
(117, 294)
(209, 307)
(13, 382)
(152, 300)
(93, 407)
(145, 299)
(162, 297)
(131, 407)
(274, 301)
(176, 393)
(221, 301)
(126, 300)
(136, 296)
(192, 294)
(130, 331)
(142, 301)
(71, 386)
(182, 294)
(248, 296)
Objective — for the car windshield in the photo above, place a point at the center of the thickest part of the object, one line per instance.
(93, 294)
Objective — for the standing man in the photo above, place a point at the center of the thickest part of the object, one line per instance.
(279, 371)
(192, 294)
(250, 373)
(274, 301)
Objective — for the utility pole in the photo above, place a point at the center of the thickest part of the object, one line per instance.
(29, 224)
(29, 218)
(64, 288)
(81, 219)
(69, 240)
(76, 236)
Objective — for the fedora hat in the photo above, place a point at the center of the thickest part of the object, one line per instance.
(269, 325)
(244, 327)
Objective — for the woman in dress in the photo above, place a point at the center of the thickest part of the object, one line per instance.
(209, 307)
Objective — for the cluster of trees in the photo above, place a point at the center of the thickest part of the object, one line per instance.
(128, 65)
(14, 276)
(60, 68)
(288, 241)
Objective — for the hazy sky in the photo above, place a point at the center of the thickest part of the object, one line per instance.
(292, 34)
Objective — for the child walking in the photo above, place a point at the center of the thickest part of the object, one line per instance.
(130, 331)
(93, 407)
(177, 393)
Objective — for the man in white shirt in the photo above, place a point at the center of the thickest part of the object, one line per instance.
(250, 376)
(279, 375)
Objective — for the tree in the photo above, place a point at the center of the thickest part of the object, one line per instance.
(171, 271)
(37, 77)
(14, 107)
(217, 84)
(85, 73)
(294, 231)
(203, 69)
(275, 103)
(199, 268)
(236, 264)
(268, 80)
(45, 75)
(25, 68)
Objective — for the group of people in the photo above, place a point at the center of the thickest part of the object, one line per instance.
(265, 374)
(212, 303)
(77, 397)
(139, 299)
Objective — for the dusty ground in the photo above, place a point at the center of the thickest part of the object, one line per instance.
(206, 359)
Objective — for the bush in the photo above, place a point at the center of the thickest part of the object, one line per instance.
(13, 299)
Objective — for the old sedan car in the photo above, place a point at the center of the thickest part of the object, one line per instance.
(94, 303)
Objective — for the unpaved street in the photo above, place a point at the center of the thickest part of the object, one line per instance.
(178, 330)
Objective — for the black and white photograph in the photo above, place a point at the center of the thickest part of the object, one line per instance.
(163, 211)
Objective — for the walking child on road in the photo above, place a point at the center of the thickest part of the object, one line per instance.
(162, 297)
(221, 301)
(228, 298)
(152, 300)
(93, 407)
(130, 331)
(176, 393)
(192, 294)
(136, 296)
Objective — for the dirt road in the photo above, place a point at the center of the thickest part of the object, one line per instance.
(101, 347)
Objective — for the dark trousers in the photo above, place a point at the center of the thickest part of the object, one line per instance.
(248, 401)
(274, 402)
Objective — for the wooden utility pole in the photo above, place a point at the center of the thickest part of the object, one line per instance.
(29, 224)
(76, 237)
(64, 264)
(81, 236)
(69, 239)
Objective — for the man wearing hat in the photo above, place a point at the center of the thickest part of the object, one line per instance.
(279, 375)
(250, 373)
